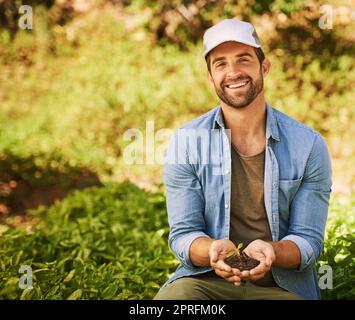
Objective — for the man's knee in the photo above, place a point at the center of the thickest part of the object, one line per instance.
(185, 288)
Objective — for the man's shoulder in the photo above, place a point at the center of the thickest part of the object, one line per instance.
(295, 135)
(293, 128)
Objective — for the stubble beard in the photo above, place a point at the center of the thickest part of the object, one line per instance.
(242, 100)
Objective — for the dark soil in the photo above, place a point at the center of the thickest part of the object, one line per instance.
(242, 262)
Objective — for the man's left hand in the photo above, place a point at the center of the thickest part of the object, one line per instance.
(262, 251)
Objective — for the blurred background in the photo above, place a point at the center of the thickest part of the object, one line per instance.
(71, 206)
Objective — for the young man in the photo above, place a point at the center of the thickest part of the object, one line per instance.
(266, 183)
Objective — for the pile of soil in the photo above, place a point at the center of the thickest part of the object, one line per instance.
(241, 262)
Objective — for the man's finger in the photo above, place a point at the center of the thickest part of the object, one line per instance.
(234, 279)
(245, 274)
(246, 250)
(257, 274)
(269, 256)
(257, 277)
(223, 274)
(269, 259)
(223, 266)
(268, 262)
(261, 268)
(236, 272)
(213, 256)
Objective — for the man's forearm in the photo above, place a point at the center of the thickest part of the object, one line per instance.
(199, 251)
(287, 254)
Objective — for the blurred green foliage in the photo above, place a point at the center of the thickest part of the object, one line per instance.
(81, 84)
(109, 243)
(91, 70)
(339, 250)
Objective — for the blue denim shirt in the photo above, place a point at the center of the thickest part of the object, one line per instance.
(297, 186)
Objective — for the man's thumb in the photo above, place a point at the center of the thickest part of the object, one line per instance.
(213, 255)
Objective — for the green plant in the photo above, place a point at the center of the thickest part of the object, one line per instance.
(339, 250)
(236, 251)
(100, 243)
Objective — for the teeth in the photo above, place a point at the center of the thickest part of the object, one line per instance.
(233, 86)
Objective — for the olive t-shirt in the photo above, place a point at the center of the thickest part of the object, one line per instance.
(248, 219)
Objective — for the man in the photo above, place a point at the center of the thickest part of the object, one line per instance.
(267, 185)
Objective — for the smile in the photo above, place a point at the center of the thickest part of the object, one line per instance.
(237, 85)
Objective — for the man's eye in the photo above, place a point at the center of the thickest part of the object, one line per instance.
(221, 64)
(244, 59)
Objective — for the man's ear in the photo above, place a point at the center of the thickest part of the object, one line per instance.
(266, 65)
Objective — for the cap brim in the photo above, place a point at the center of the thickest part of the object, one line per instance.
(227, 40)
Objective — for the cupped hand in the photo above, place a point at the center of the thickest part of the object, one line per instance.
(262, 251)
(218, 252)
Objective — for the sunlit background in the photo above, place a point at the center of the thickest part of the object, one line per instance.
(87, 73)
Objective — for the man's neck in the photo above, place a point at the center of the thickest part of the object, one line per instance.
(248, 125)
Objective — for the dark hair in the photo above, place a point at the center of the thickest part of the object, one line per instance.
(258, 51)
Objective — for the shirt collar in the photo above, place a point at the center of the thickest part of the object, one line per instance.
(272, 129)
(218, 119)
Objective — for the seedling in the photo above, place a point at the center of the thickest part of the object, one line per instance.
(239, 260)
(236, 251)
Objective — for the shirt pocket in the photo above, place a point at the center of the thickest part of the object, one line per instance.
(287, 191)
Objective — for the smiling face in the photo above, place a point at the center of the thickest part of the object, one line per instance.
(236, 73)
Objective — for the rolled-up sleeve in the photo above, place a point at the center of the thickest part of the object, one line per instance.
(309, 208)
(185, 201)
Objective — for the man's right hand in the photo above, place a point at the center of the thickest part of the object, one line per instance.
(218, 251)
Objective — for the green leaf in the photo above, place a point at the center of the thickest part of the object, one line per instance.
(75, 295)
(137, 279)
(26, 294)
(70, 276)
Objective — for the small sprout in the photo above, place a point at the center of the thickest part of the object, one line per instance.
(236, 251)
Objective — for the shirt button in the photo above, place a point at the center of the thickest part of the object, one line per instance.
(227, 171)
(226, 206)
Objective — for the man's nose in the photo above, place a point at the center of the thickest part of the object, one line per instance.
(233, 70)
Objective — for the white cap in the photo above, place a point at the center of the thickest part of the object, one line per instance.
(230, 30)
